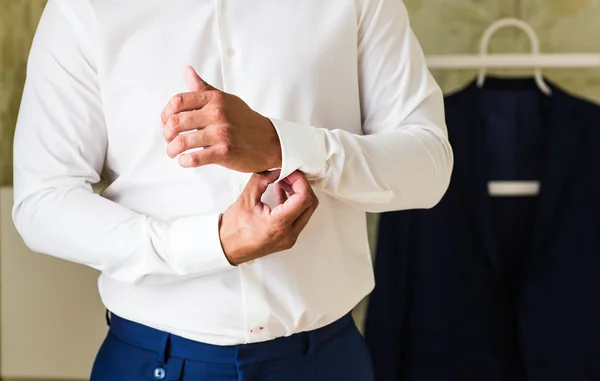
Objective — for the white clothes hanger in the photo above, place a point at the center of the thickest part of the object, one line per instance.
(513, 188)
(535, 60)
(535, 47)
(511, 61)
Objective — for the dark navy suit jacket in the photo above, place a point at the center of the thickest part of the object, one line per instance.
(482, 289)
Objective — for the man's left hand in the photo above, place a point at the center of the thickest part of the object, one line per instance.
(229, 131)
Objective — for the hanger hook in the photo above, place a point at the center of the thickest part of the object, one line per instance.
(535, 48)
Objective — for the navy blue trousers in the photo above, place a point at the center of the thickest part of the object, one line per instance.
(133, 352)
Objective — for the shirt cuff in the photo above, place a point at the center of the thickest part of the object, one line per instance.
(195, 246)
(302, 148)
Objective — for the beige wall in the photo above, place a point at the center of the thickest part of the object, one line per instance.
(50, 309)
(52, 318)
(18, 20)
(563, 26)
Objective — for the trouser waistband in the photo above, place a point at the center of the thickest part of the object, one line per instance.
(167, 345)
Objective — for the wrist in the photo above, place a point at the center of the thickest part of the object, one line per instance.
(224, 239)
(234, 245)
(274, 152)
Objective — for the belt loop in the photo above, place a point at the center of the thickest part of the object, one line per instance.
(107, 317)
(163, 351)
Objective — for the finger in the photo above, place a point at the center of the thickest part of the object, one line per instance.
(185, 121)
(186, 102)
(299, 183)
(292, 208)
(286, 187)
(189, 141)
(280, 194)
(206, 156)
(257, 186)
(286, 184)
(286, 180)
(194, 82)
(299, 225)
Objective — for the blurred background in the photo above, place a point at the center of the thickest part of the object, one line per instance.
(52, 321)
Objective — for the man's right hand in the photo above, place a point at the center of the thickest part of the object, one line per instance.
(249, 229)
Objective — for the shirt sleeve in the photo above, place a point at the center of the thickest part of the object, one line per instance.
(59, 152)
(403, 160)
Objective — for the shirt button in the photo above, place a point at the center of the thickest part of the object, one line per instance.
(160, 373)
(230, 52)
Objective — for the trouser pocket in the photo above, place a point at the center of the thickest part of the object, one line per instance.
(343, 357)
(120, 361)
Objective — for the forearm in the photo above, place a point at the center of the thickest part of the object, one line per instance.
(403, 168)
(60, 149)
(73, 223)
(403, 160)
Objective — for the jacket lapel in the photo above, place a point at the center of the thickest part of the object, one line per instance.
(562, 138)
(561, 128)
(469, 147)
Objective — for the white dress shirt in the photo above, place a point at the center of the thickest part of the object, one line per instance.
(346, 86)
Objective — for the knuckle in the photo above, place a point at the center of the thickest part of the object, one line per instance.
(255, 178)
(262, 180)
(279, 231)
(224, 150)
(224, 134)
(180, 142)
(219, 113)
(315, 202)
(174, 122)
(194, 160)
(218, 97)
(177, 101)
(288, 241)
(206, 98)
(308, 201)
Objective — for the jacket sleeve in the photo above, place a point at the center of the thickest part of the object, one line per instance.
(384, 325)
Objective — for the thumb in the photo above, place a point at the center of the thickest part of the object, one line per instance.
(257, 186)
(194, 82)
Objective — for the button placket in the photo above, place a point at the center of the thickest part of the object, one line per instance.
(257, 308)
(227, 50)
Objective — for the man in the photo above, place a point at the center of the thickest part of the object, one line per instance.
(210, 272)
